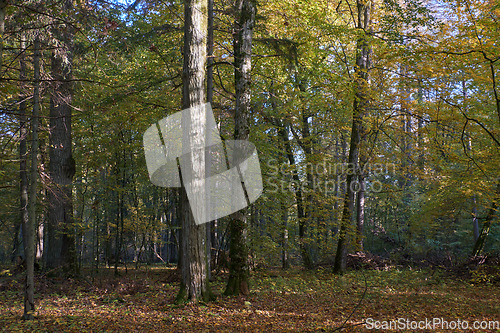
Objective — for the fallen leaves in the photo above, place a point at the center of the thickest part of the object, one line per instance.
(281, 301)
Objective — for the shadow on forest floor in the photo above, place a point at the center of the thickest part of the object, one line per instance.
(281, 301)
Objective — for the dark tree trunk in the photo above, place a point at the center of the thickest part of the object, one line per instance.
(117, 223)
(345, 222)
(23, 165)
(475, 222)
(242, 44)
(3, 5)
(210, 51)
(283, 134)
(61, 243)
(485, 230)
(194, 266)
(360, 105)
(29, 250)
(306, 143)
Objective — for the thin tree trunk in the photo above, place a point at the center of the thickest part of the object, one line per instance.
(308, 206)
(39, 238)
(283, 134)
(210, 93)
(420, 125)
(194, 266)
(23, 165)
(360, 213)
(16, 244)
(178, 224)
(475, 222)
(3, 5)
(242, 44)
(284, 251)
(29, 289)
(210, 51)
(306, 144)
(360, 105)
(485, 230)
(118, 219)
(298, 195)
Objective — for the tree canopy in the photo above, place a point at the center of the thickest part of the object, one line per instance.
(377, 126)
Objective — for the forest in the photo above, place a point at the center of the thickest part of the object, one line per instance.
(366, 196)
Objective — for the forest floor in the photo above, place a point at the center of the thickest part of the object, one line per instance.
(280, 301)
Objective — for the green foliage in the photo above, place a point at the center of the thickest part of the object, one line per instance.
(432, 124)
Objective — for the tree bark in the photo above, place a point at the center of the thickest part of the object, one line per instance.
(307, 142)
(242, 45)
(298, 194)
(475, 222)
(210, 93)
(29, 250)
(485, 230)
(360, 105)
(283, 134)
(194, 284)
(284, 250)
(360, 213)
(62, 246)
(23, 165)
(3, 5)
(210, 51)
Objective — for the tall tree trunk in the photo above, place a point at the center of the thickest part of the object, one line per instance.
(3, 5)
(347, 212)
(284, 135)
(242, 44)
(23, 165)
(308, 206)
(194, 283)
(61, 165)
(475, 222)
(306, 144)
(210, 93)
(210, 51)
(29, 250)
(360, 105)
(118, 210)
